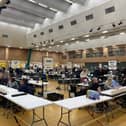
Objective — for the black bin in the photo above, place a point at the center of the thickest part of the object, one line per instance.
(55, 96)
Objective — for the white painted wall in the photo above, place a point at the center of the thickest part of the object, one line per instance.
(16, 35)
(74, 9)
(83, 26)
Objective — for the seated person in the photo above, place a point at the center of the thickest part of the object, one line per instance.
(23, 86)
(3, 81)
(12, 83)
(111, 83)
(124, 81)
(115, 83)
(108, 83)
(83, 90)
(95, 85)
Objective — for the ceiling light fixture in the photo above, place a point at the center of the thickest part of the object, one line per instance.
(53, 9)
(8, 46)
(102, 37)
(61, 41)
(44, 45)
(36, 46)
(77, 42)
(69, 1)
(21, 47)
(86, 36)
(52, 43)
(104, 31)
(122, 33)
(87, 40)
(33, 1)
(57, 45)
(66, 44)
(73, 39)
(42, 5)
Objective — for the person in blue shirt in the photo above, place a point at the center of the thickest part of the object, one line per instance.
(111, 83)
(115, 83)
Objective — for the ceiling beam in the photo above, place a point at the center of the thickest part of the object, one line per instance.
(21, 15)
(16, 22)
(60, 5)
(80, 1)
(32, 8)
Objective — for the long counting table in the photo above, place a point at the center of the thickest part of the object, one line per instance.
(115, 93)
(75, 103)
(38, 83)
(27, 102)
(41, 84)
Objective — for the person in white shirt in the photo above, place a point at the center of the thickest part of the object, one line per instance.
(84, 75)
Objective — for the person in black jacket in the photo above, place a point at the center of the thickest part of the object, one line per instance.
(23, 86)
(95, 85)
(3, 81)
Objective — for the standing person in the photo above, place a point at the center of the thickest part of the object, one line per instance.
(84, 75)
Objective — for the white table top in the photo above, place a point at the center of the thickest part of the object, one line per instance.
(82, 84)
(25, 77)
(28, 101)
(29, 71)
(109, 75)
(82, 101)
(69, 79)
(37, 83)
(112, 92)
(8, 90)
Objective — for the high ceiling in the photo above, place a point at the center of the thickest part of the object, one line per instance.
(29, 12)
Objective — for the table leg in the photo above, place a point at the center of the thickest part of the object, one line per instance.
(44, 117)
(41, 93)
(16, 120)
(61, 118)
(93, 117)
(34, 120)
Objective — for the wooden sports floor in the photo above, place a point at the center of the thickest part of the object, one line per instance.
(78, 117)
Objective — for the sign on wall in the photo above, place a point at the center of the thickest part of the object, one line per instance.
(48, 63)
(112, 64)
(69, 65)
(15, 64)
(3, 64)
